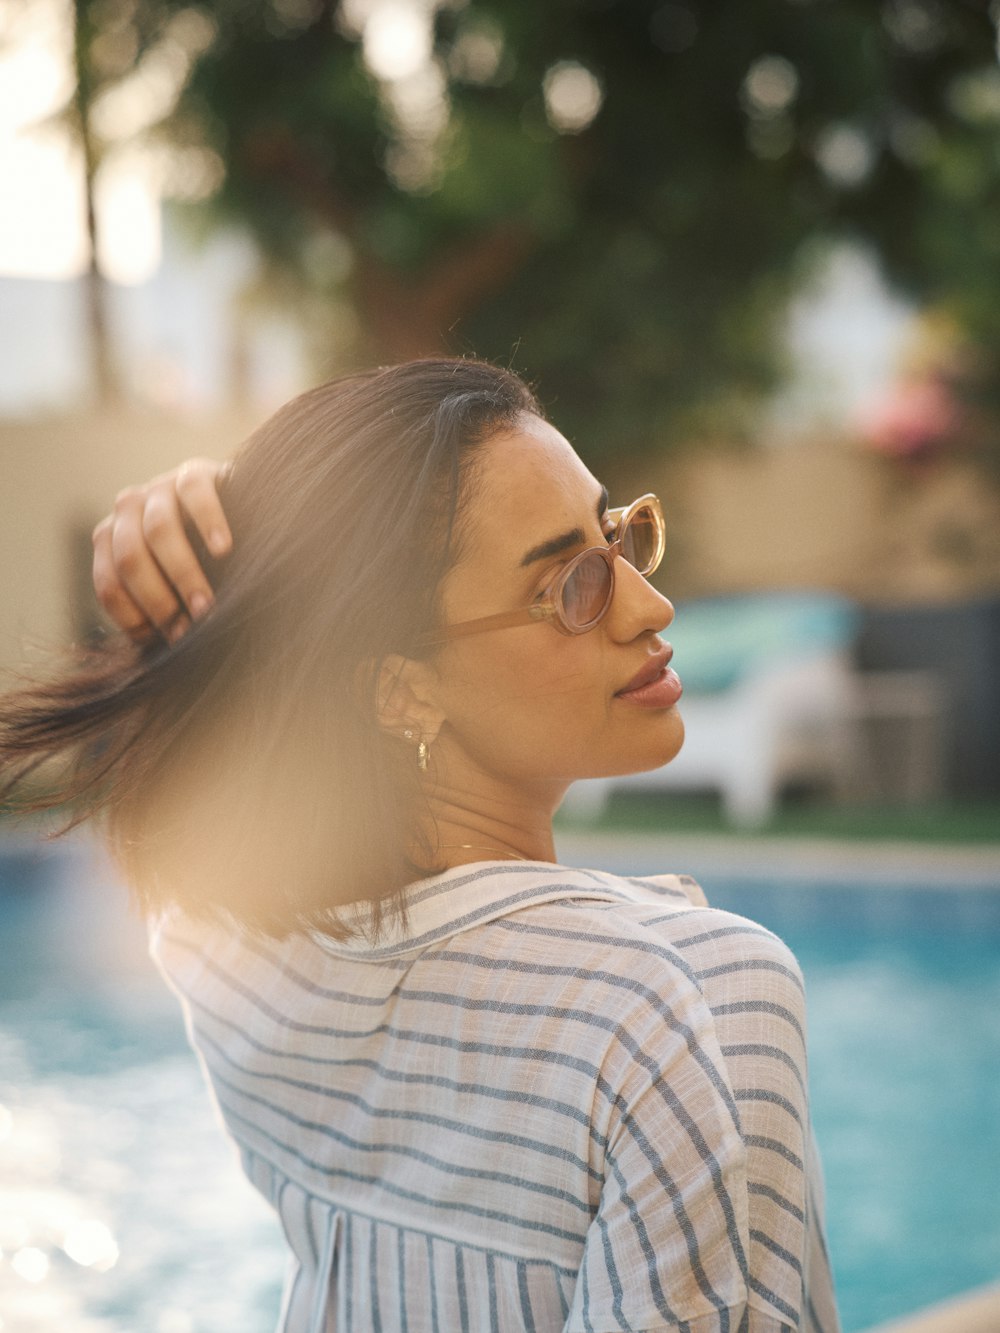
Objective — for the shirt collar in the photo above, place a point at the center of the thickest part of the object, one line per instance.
(470, 895)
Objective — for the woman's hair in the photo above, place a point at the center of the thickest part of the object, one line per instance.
(242, 770)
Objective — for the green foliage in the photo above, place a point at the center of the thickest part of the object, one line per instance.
(636, 266)
(970, 824)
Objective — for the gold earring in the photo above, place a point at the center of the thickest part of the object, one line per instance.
(423, 749)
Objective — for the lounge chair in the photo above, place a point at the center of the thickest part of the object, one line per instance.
(769, 698)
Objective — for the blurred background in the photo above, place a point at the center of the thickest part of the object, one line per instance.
(749, 253)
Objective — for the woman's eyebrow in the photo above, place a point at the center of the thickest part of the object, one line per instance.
(565, 540)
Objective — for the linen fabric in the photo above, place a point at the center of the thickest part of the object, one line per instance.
(553, 1099)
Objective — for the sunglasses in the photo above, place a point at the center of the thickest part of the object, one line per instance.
(579, 596)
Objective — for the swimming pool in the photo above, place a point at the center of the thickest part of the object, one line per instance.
(122, 1209)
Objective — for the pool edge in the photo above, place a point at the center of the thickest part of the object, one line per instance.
(974, 1311)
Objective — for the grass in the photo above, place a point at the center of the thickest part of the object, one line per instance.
(969, 822)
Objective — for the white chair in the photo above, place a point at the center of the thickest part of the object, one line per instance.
(784, 711)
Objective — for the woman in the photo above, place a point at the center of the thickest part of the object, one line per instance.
(481, 1090)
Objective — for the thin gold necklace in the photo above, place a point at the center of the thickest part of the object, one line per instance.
(475, 847)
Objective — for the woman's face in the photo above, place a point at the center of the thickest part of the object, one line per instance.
(529, 704)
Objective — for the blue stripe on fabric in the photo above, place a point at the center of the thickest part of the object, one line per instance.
(495, 907)
(543, 1055)
(774, 1145)
(584, 1279)
(685, 1224)
(655, 1000)
(550, 1265)
(770, 1244)
(357, 1177)
(760, 1007)
(775, 1299)
(463, 1303)
(742, 927)
(289, 1296)
(680, 1209)
(314, 1254)
(289, 972)
(461, 1127)
(641, 1233)
(449, 883)
(751, 965)
(664, 890)
(815, 1219)
(522, 1009)
(524, 1296)
(614, 1280)
(696, 1137)
(655, 948)
(401, 1076)
(715, 1170)
(754, 1187)
(746, 1048)
(440, 886)
(433, 1282)
(766, 1095)
(563, 1300)
(399, 1149)
(373, 1269)
(725, 1202)
(491, 1281)
(401, 1276)
(346, 1274)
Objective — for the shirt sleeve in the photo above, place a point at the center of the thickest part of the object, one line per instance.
(705, 1220)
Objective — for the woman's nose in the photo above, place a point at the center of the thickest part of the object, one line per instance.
(636, 605)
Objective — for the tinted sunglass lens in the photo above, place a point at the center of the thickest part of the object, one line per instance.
(585, 593)
(640, 539)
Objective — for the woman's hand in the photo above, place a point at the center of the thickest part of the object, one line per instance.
(146, 574)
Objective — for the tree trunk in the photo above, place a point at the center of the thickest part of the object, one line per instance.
(103, 370)
(103, 373)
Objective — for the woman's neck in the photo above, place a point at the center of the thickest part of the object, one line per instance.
(465, 825)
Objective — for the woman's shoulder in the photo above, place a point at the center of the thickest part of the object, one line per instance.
(543, 916)
(662, 919)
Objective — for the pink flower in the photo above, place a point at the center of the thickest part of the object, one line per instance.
(914, 419)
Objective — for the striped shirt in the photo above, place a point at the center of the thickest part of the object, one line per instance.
(555, 1100)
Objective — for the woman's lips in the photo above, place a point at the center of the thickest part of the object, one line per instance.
(656, 685)
(662, 691)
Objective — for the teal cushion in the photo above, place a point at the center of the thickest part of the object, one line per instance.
(720, 640)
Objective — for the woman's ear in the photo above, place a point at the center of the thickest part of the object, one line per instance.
(406, 698)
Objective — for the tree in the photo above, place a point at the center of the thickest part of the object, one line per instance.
(619, 194)
(88, 79)
(118, 51)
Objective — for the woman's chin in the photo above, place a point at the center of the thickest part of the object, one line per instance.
(668, 742)
(655, 747)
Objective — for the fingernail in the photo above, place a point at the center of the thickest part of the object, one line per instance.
(217, 542)
(178, 629)
(198, 605)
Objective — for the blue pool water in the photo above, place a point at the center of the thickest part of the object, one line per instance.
(122, 1209)
(904, 1021)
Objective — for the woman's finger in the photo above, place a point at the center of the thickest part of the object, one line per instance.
(165, 537)
(196, 483)
(146, 573)
(111, 594)
(136, 567)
